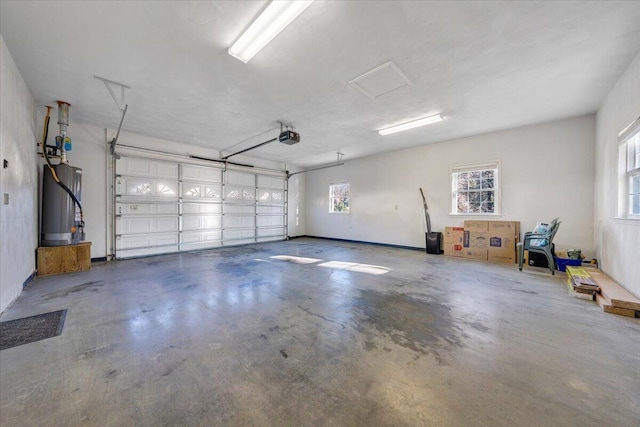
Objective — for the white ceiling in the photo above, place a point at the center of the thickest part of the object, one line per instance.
(484, 65)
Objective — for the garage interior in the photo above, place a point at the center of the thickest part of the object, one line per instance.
(243, 240)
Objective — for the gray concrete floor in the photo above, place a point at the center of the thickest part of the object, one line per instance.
(235, 337)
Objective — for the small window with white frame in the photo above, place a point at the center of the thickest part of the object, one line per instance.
(339, 194)
(629, 171)
(475, 189)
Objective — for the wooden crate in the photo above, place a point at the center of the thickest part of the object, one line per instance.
(64, 259)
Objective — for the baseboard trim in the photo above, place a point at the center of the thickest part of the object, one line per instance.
(29, 279)
(386, 245)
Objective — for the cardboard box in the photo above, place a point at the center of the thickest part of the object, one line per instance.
(504, 227)
(470, 253)
(503, 236)
(506, 256)
(473, 225)
(475, 240)
(475, 245)
(453, 249)
(453, 235)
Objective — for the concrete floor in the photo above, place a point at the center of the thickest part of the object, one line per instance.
(236, 337)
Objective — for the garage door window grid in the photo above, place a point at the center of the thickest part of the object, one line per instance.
(475, 189)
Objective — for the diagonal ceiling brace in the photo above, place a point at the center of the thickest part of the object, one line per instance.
(109, 85)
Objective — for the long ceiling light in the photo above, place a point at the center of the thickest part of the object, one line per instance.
(266, 27)
(410, 125)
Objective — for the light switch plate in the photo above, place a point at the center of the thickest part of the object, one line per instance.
(6, 198)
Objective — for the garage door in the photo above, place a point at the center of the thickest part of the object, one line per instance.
(163, 207)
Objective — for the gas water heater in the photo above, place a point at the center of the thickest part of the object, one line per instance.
(62, 217)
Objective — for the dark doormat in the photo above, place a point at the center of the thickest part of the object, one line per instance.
(30, 329)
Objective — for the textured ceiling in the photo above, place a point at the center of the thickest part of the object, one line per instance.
(484, 65)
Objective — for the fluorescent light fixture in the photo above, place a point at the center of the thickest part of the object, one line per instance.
(410, 125)
(266, 27)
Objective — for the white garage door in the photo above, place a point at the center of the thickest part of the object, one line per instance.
(163, 207)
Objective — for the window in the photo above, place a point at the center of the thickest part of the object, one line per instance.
(629, 171)
(339, 197)
(475, 189)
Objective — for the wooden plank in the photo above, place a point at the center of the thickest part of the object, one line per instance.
(608, 308)
(615, 293)
(64, 259)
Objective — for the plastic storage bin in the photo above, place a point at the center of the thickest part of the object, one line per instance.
(563, 263)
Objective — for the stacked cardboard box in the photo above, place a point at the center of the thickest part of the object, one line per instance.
(483, 240)
(453, 237)
(503, 236)
(475, 243)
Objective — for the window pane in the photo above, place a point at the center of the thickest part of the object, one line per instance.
(193, 191)
(463, 204)
(635, 204)
(248, 194)
(487, 174)
(474, 183)
(487, 201)
(635, 184)
(462, 180)
(212, 192)
(487, 183)
(474, 200)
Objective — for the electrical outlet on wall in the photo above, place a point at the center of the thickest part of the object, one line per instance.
(5, 198)
(5, 163)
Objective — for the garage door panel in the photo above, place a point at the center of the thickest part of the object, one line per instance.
(146, 187)
(192, 240)
(151, 244)
(239, 209)
(201, 173)
(237, 237)
(196, 191)
(199, 222)
(269, 221)
(239, 221)
(271, 182)
(146, 208)
(201, 208)
(241, 178)
(270, 210)
(142, 224)
(133, 166)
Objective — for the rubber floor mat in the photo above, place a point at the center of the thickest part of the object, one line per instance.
(30, 329)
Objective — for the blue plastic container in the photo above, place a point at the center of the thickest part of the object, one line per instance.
(563, 263)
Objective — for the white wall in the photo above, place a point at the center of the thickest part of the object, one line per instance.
(617, 240)
(18, 220)
(547, 171)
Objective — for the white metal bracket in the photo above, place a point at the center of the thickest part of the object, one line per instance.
(109, 85)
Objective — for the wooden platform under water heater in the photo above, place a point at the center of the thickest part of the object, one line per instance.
(64, 259)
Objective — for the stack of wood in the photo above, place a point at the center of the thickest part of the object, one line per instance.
(613, 298)
(581, 284)
(594, 284)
